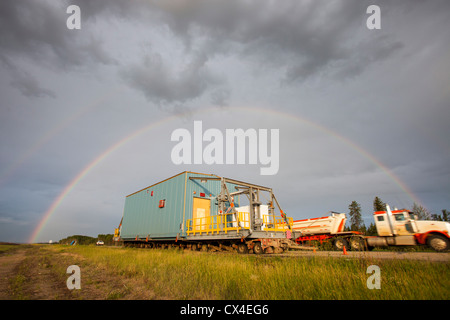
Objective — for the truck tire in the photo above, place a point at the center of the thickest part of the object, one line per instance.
(339, 243)
(242, 248)
(257, 249)
(357, 243)
(438, 242)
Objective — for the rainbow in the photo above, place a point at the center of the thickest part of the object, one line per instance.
(57, 202)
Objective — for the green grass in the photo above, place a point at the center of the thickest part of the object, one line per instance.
(16, 284)
(7, 247)
(177, 274)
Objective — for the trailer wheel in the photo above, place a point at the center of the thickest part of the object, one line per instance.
(205, 247)
(357, 243)
(339, 244)
(242, 248)
(438, 242)
(269, 250)
(258, 248)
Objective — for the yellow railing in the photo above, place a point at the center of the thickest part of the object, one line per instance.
(231, 221)
(275, 223)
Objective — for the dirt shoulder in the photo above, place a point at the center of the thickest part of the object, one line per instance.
(9, 262)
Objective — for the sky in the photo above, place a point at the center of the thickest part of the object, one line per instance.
(87, 115)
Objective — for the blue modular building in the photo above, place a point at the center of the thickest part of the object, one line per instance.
(160, 210)
(204, 210)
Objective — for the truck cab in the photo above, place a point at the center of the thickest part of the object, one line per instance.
(400, 222)
(399, 227)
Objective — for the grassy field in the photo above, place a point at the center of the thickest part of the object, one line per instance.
(8, 247)
(177, 274)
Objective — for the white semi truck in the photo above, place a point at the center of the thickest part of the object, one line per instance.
(394, 228)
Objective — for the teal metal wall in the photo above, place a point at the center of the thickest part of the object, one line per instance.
(143, 217)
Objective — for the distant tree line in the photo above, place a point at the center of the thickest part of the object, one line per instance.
(357, 223)
(86, 240)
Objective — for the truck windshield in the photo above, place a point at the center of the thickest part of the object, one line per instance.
(410, 216)
(400, 217)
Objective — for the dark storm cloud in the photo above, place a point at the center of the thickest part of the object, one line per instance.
(302, 38)
(297, 40)
(35, 32)
(163, 84)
